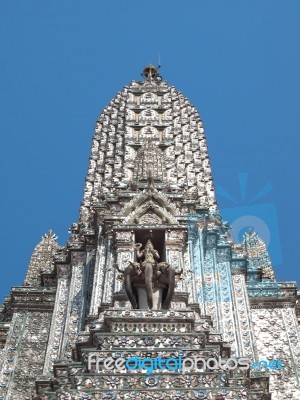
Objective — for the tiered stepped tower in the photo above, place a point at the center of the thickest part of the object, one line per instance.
(150, 271)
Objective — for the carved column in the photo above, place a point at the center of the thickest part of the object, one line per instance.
(174, 242)
(100, 270)
(59, 316)
(197, 262)
(110, 273)
(224, 296)
(75, 303)
(125, 252)
(210, 279)
(245, 343)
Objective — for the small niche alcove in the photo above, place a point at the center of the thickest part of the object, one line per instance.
(157, 237)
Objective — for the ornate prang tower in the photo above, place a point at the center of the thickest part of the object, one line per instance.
(150, 270)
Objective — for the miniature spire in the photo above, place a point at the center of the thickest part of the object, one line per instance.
(258, 256)
(41, 259)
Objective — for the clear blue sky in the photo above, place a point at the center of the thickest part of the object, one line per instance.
(61, 63)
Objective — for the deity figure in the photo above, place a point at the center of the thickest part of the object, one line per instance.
(147, 276)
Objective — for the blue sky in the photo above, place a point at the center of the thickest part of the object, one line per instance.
(62, 62)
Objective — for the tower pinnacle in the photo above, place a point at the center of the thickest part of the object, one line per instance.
(150, 72)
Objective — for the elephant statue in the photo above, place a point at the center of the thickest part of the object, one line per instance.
(129, 273)
(148, 273)
(165, 274)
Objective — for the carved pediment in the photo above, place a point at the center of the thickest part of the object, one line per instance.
(150, 210)
(155, 197)
(150, 218)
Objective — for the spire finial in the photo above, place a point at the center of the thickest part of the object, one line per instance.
(151, 73)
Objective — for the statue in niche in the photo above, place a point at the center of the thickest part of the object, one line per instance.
(149, 284)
